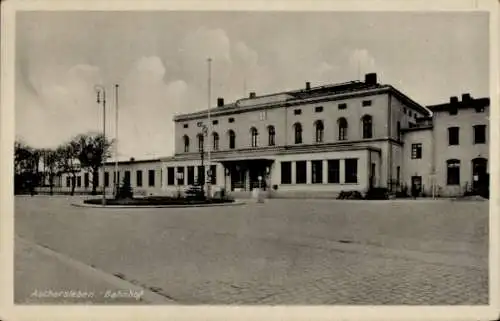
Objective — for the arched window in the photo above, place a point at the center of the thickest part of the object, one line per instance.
(297, 127)
(200, 142)
(453, 172)
(215, 138)
(367, 126)
(255, 136)
(272, 135)
(232, 139)
(186, 143)
(320, 129)
(342, 124)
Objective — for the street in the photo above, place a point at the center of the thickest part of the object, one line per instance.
(306, 252)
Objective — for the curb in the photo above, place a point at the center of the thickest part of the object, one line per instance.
(147, 297)
(235, 203)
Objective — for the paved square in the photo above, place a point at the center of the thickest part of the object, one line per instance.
(280, 252)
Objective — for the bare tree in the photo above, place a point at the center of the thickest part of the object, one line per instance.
(67, 161)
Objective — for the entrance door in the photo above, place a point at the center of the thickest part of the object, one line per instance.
(479, 175)
(237, 174)
(416, 185)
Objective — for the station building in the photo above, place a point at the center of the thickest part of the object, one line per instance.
(319, 141)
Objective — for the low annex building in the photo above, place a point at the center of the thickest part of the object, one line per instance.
(319, 141)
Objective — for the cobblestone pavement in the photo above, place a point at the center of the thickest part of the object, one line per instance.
(279, 252)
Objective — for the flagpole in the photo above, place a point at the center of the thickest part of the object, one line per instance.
(117, 183)
(209, 127)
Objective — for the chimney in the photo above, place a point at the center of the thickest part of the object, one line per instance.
(252, 94)
(132, 159)
(308, 85)
(220, 102)
(466, 97)
(453, 100)
(371, 78)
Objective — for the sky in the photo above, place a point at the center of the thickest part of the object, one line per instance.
(159, 61)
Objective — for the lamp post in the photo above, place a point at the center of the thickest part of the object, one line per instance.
(100, 90)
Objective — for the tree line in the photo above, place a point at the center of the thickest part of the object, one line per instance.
(37, 167)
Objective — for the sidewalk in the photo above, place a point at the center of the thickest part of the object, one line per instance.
(43, 276)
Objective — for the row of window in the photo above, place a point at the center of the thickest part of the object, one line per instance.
(453, 169)
(139, 180)
(479, 132)
(182, 175)
(333, 171)
(342, 126)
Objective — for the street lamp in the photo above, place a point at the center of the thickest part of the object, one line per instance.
(100, 90)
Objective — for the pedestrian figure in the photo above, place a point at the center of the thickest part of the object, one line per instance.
(414, 191)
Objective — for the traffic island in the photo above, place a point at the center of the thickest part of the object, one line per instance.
(156, 202)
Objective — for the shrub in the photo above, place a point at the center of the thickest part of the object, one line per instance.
(377, 193)
(125, 191)
(350, 195)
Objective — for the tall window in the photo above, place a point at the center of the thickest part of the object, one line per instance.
(367, 126)
(453, 135)
(201, 175)
(232, 139)
(106, 179)
(334, 171)
(398, 128)
(453, 172)
(201, 142)
(126, 177)
(301, 172)
(86, 180)
(186, 144)
(180, 176)
(342, 124)
(255, 136)
(298, 133)
(318, 125)
(416, 151)
(479, 134)
(138, 178)
(351, 170)
(79, 181)
(213, 174)
(272, 135)
(151, 177)
(171, 176)
(317, 171)
(190, 175)
(286, 172)
(215, 138)
(68, 181)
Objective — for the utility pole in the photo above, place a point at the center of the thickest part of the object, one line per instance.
(99, 90)
(209, 129)
(117, 183)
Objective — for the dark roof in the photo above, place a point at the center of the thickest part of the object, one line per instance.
(296, 96)
(472, 103)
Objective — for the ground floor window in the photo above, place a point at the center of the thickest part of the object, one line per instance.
(127, 177)
(213, 174)
(180, 175)
(79, 181)
(351, 170)
(138, 178)
(68, 181)
(170, 176)
(106, 179)
(86, 180)
(453, 172)
(151, 177)
(201, 175)
(301, 172)
(317, 171)
(286, 172)
(334, 171)
(190, 175)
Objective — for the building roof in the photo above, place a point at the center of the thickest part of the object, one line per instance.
(463, 104)
(306, 95)
(134, 161)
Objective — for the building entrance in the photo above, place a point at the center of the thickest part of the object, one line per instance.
(480, 179)
(244, 175)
